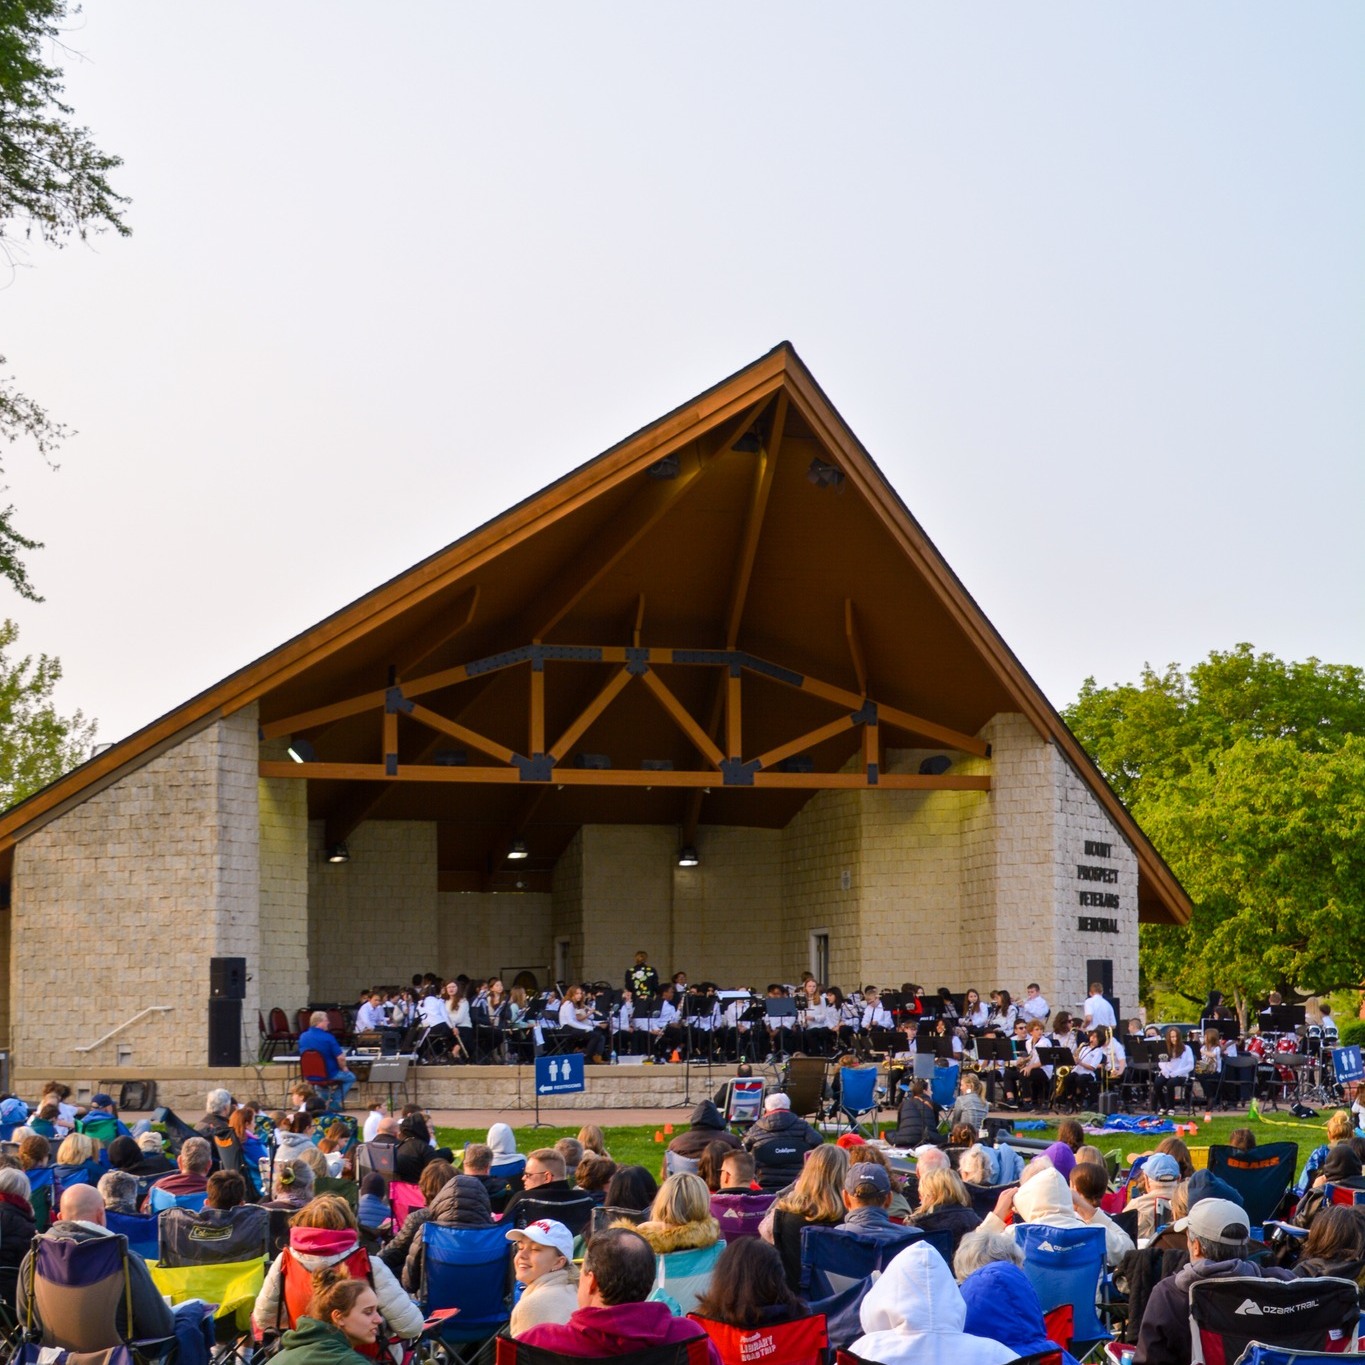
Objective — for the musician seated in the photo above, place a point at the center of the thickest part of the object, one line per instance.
(588, 1034)
(1208, 1065)
(1100, 1062)
(664, 1025)
(1035, 1077)
(780, 1027)
(316, 1038)
(877, 1025)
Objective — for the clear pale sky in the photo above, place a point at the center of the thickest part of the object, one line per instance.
(1086, 280)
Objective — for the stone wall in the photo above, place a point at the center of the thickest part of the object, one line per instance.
(283, 803)
(487, 934)
(149, 878)
(373, 919)
(566, 902)
(820, 888)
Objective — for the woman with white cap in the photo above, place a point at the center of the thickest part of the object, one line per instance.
(544, 1266)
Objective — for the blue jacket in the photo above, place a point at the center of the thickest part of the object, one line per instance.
(319, 1040)
(1002, 1305)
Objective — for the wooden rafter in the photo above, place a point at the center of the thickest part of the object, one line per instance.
(855, 646)
(806, 741)
(705, 746)
(457, 620)
(620, 777)
(425, 716)
(579, 725)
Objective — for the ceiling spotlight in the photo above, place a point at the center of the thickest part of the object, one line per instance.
(339, 853)
(301, 751)
(518, 850)
(667, 468)
(688, 857)
(749, 442)
(824, 475)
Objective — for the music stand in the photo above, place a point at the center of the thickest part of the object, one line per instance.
(1056, 1056)
(995, 1050)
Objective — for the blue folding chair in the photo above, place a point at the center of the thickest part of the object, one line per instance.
(159, 1200)
(1260, 1176)
(1257, 1353)
(943, 1085)
(858, 1096)
(1065, 1265)
(466, 1268)
(834, 1258)
(139, 1228)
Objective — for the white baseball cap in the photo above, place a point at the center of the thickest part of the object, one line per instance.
(777, 1100)
(546, 1232)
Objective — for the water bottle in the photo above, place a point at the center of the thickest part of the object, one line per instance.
(613, 1056)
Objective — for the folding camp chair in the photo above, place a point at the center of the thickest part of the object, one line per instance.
(232, 1285)
(609, 1214)
(682, 1277)
(834, 1258)
(1260, 1176)
(78, 1289)
(697, 1351)
(1228, 1313)
(141, 1230)
(743, 1100)
(313, 1069)
(1349, 1195)
(1257, 1353)
(349, 1190)
(404, 1198)
(675, 1164)
(943, 1084)
(858, 1096)
(740, 1214)
(575, 1214)
(802, 1342)
(1065, 1265)
(806, 1077)
(984, 1197)
(375, 1156)
(466, 1268)
(212, 1236)
(160, 1199)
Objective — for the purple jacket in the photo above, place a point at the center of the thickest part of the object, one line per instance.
(599, 1333)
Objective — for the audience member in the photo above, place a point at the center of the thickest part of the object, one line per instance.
(867, 1193)
(1335, 1245)
(340, 1326)
(217, 1109)
(545, 1183)
(194, 1162)
(414, 1149)
(971, 1107)
(293, 1186)
(594, 1175)
(323, 1235)
(593, 1140)
(1045, 1197)
(1340, 1128)
(373, 1212)
(680, 1217)
(1218, 1234)
(985, 1247)
(711, 1162)
(1156, 1184)
(749, 1288)
(632, 1187)
(1003, 1305)
(572, 1152)
(779, 1141)
(316, 1038)
(154, 1159)
(543, 1264)
(914, 1315)
(462, 1202)
(332, 1144)
(118, 1189)
(478, 1162)
(225, 1190)
(816, 1198)
(1176, 1147)
(1342, 1167)
(613, 1317)
(17, 1228)
(435, 1178)
(917, 1119)
(78, 1161)
(707, 1126)
(945, 1206)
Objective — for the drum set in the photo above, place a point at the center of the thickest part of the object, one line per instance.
(1296, 1065)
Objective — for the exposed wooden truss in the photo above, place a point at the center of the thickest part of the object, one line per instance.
(541, 763)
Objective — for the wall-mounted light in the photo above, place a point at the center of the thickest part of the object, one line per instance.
(339, 853)
(687, 857)
(302, 751)
(935, 766)
(825, 475)
(518, 850)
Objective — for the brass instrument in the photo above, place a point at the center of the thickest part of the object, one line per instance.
(1059, 1082)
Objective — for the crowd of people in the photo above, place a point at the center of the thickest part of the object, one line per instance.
(597, 1248)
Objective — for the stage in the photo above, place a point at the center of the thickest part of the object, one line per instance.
(449, 1088)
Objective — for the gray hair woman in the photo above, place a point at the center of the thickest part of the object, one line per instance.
(981, 1248)
(16, 1228)
(293, 1186)
(118, 1189)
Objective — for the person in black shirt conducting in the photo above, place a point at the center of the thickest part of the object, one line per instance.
(642, 981)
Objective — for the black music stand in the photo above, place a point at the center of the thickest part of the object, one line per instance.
(1056, 1056)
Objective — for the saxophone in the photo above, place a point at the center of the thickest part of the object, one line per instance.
(1059, 1082)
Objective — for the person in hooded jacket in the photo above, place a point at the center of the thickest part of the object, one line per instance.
(343, 1320)
(613, 1317)
(462, 1202)
(1045, 1197)
(324, 1234)
(1342, 1167)
(1003, 1305)
(917, 1120)
(414, 1149)
(708, 1125)
(915, 1315)
(779, 1142)
(1218, 1234)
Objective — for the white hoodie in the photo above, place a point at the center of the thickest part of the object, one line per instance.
(914, 1313)
(1046, 1198)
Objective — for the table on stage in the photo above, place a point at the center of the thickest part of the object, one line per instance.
(369, 1069)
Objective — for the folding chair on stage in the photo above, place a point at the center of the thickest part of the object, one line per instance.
(858, 1096)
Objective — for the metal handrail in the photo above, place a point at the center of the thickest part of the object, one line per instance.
(151, 1009)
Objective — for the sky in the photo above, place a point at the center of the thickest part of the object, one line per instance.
(1087, 281)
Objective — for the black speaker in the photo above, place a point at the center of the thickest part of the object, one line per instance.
(1100, 969)
(225, 1032)
(227, 978)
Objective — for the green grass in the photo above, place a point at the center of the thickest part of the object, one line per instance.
(635, 1146)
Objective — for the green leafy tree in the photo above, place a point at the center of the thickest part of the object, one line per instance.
(1248, 774)
(36, 744)
(54, 185)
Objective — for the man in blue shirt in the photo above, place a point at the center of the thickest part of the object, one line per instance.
(315, 1038)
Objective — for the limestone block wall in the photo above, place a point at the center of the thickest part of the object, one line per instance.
(6, 919)
(160, 870)
(486, 934)
(822, 886)
(1093, 861)
(283, 806)
(628, 889)
(728, 912)
(566, 901)
(372, 919)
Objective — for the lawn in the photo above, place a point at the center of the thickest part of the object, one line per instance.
(639, 1146)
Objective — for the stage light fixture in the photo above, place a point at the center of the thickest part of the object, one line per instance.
(935, 766)
(687, 857)
(339, 853)
(302, 751)
(824, 475)
(518, 850)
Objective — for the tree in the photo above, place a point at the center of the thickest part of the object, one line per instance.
(1249, 777)
(54, 184)
(36, 744)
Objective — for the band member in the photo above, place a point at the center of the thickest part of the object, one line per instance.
(1095, 1065)
(1064, 1032)
(589, 1033)
(1208, 1066)
(1035, 1077)
(1174, 1067)
(642, 981)
(975, 1013)
(665, 1027)
(820, 1020)
(703, 1023)
(1003, 1012)
(876, 1025)
(1033, 1005)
